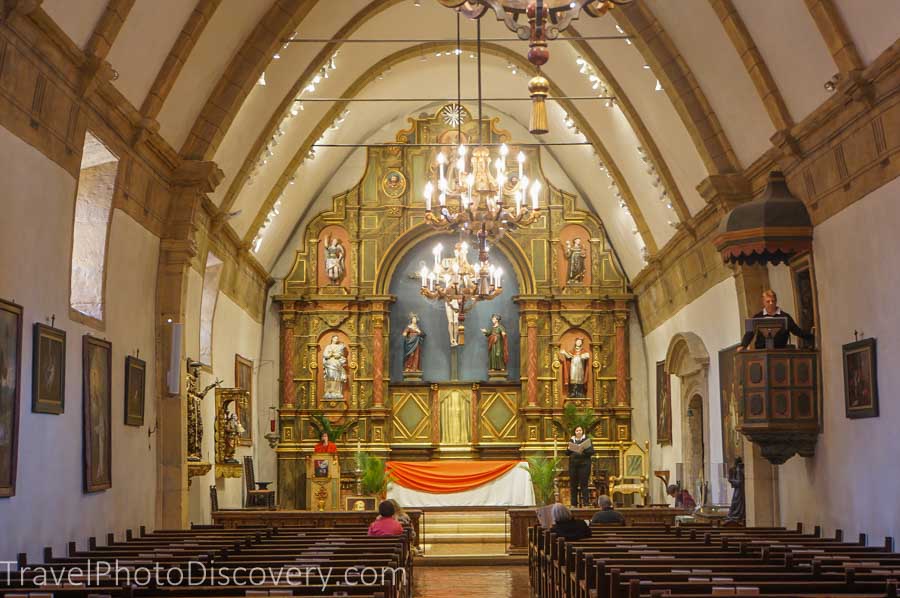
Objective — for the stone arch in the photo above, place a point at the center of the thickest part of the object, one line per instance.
(688, 359)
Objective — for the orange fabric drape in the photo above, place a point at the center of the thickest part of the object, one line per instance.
(441, 477)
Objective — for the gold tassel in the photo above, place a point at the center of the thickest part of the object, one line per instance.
(538, 88)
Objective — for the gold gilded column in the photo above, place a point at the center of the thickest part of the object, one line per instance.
(531, 387)
(621, 316)
(378, 359)
(288, 390)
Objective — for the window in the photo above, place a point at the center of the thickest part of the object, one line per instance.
(93, 206)
(208, 306)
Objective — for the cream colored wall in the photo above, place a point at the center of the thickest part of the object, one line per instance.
(234, 331)
(854, 478)
(50, 508)
(714, 317)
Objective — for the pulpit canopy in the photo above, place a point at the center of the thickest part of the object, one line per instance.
(770, 229)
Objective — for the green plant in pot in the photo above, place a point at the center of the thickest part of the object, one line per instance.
(543, 477)
(374, 477)
(322, 425)
(573, 417)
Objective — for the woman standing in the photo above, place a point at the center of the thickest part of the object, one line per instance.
(580, 450)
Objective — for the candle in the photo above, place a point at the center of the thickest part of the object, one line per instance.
(521, 160)
(357, 444)
(429, 190)
(535, 194)
(554, 447)
(424, 274)
(437, 254)
(441, 159)
(272, 422)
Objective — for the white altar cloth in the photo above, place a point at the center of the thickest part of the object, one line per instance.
(512, 489)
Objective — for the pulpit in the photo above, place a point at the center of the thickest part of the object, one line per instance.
(777, 401)
(323, 482)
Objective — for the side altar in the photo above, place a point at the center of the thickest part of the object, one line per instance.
(423, 378)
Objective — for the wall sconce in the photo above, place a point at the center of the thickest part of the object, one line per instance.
(273, 436)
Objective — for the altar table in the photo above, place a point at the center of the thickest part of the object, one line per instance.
(461, 484)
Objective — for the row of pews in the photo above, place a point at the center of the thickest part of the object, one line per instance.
(620, 562)
(212, 562)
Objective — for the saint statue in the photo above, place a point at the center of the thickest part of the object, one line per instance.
(195, 415)
(576, 255)
(575, 371)
(231, 431)
(334, 362)
(455, 419)
(413, 338)
(334, 259)
(498, 345)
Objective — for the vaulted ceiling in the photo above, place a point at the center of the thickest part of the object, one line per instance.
(702, 86)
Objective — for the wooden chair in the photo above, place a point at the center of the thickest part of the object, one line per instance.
(258, 494)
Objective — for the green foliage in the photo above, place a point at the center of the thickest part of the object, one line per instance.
(543, 476)
(572, 417)
(374, 477)
(322, 425)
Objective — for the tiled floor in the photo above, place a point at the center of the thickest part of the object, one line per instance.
(474, 582)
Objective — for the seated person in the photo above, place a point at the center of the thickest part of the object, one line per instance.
(771, 310)
(566, 526)
(325, 446)
(607, 514)
(385, 524)
(683, 498)
(401, 516)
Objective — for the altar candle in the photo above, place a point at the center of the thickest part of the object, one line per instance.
(429, 190)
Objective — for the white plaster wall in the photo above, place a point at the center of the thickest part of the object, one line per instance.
(49, 507)
(854, 477)
(715, 318)
(234, 331)
(641, 430)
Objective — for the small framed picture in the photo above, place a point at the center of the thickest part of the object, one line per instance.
(359, 503)
(48, 379)
(860, 379)
(321, 468)
(135, 384)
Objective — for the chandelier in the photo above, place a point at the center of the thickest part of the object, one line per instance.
(544, 20)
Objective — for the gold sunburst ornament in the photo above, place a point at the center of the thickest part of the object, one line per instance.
(453, 115)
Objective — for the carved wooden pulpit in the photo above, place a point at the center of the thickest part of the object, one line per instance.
(777, 393)
(323, 482)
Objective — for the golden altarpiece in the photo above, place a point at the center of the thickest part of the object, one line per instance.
(341, 314)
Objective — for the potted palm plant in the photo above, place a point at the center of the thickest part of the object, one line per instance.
(543, 477)
(373, 474)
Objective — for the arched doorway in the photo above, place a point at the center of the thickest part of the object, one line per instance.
(688, 359)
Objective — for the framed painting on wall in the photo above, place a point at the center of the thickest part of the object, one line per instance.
(663, 405)
(10, 392)
(48, 379)
(97, 402)
(243, 379)
(860, 379)
(732, 440)
(135, 385)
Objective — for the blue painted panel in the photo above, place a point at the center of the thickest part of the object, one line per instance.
(473, 358)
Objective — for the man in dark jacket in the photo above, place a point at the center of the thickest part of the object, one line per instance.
(580, 450)
(607, 514)
(771, 310)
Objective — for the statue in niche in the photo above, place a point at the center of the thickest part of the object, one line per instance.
(334, 364)
(413, 338)
(195, 414)
(460, 267)
(576, 256)
(231, 431)
(498, 345)
(575, 372)
(334, 259)
(455, 425)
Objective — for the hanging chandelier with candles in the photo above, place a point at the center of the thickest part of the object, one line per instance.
(473, 199)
